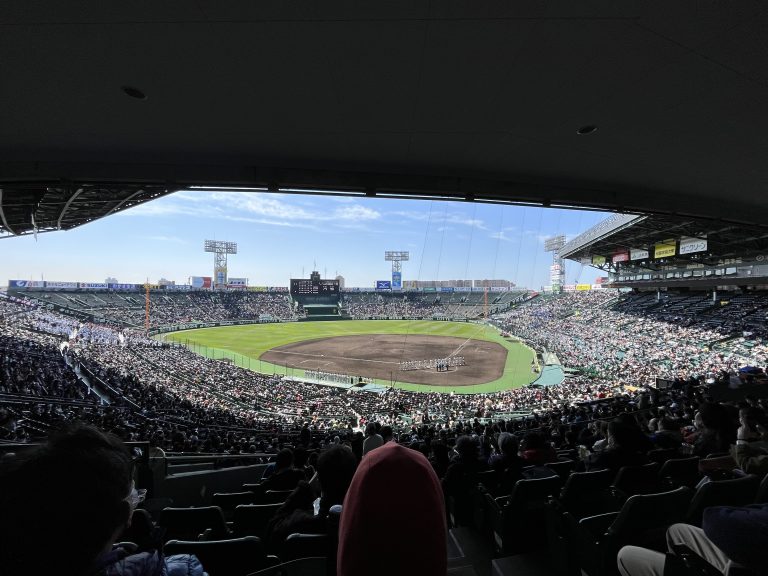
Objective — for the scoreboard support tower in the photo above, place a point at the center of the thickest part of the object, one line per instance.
(397, 258)
(220, 249)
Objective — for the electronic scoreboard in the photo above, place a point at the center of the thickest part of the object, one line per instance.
(313, 287)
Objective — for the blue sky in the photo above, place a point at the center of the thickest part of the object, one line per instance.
(279, 235)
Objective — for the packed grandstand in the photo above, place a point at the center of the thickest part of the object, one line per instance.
(649, 360)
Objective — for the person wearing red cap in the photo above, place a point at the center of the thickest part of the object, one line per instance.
(393, 517)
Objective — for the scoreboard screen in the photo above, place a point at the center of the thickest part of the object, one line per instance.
(302, 286)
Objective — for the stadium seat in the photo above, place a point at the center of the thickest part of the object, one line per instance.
(589, 493)
(273, 497)
(305, 546)
(193, 523)
(520, 527)
(737, 492)
(631, 480)
(661, 455)
(301, 567)
(680, 472)
(334, 519)
(233, 557)
(253, 519)
(227, 501)
(489, 479)
(562, 468)
(642, 521)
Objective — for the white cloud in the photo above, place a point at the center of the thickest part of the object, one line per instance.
(282, 210)
(172, 239)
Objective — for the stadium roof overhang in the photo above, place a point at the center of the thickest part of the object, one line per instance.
(622, 233)
(461, 100)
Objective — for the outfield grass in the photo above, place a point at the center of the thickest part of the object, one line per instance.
(245, 345)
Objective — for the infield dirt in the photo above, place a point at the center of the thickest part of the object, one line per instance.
(379, 356)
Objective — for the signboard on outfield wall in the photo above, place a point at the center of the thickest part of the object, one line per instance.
(26, 283)
(383, 285)
(583, 287)
(636, 254)
(664, 249)
(692, 245)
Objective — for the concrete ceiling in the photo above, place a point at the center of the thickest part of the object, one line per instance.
(473, 100)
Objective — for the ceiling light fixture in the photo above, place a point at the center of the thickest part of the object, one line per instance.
(590, 129)
(134, 93)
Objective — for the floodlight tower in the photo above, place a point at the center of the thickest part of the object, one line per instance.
(397, 258)
(220, 249)
(557, 270)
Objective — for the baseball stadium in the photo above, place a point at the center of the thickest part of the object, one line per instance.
(533, 338)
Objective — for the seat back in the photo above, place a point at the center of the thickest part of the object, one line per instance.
(645, 517)
(253, 519)
(588, 493)
(189, 523)
(233, 557)
(681, 472)
(274, 496)
(631, 480)
(228, 500)
(737, 492)
(524, 518)
(535, 491)
(305, 546)
(562, 468)
(302, 567)
(489, 479)
(334, 520)
(661, 455)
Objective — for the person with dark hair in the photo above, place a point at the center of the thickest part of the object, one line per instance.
(295, 515)
(285, 476)
(335, 469)
(536, 450)
(386, 433)
(508, 465)
(622, 449)
(372, 439)
(374, 513)
(716, 432)
(64, 504)
(460, 481)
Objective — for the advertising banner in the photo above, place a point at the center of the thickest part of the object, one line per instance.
(178, 287)
(122, 286)
(569, 287)
(583, 287)
(598, 260)
(397, 280)
(664, 249)
(94, 285)
(60, 284)
(446, 289)
(620, 256)
(692, 245)
(26, 284)
(636, 254)
(201, 282)
(430, 289)
(257, 288)
(220, 278)
(597, 287)
(237, 282)
(499, 289)
(383, 285)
